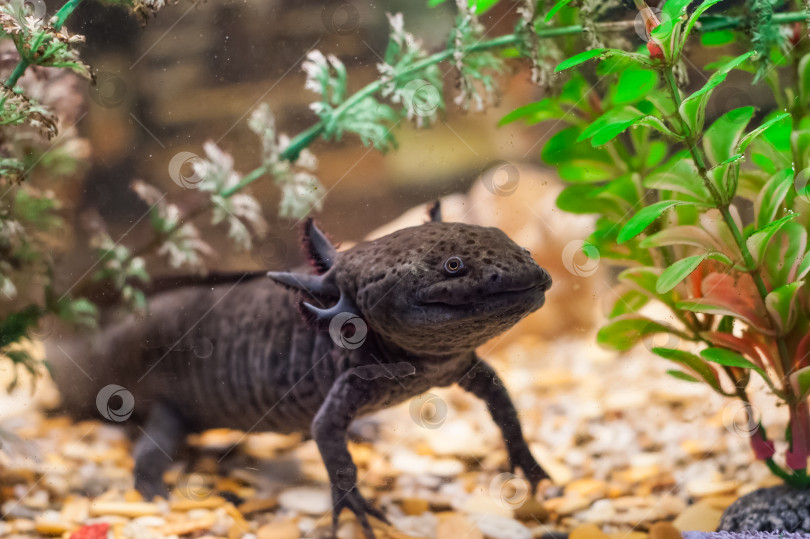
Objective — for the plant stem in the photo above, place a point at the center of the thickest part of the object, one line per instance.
(748, 259)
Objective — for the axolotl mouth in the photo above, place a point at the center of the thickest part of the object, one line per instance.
(527, 291)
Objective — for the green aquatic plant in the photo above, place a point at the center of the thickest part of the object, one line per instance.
(706, 212)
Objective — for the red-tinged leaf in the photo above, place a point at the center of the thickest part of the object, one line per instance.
(800, 381)
(739, 296)
(682, 235)
(771, 197)
(91, 531)
(713, 222)
(742, 346)
(781, 304)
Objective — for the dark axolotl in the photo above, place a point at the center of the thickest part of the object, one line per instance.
(383, 322)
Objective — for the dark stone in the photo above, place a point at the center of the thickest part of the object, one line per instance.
(781, 508)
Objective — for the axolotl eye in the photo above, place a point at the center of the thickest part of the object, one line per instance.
(453, 266)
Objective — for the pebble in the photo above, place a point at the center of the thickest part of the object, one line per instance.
(414, 506)
(700, 517)
(587, 531)
(702, 488)
(532, 509)
(664, 530)
(126, 509)
(586, 488)
(186, 527)
(481, 502)
(284, 529)
(455, 525)
(307, 500)
(498, 527)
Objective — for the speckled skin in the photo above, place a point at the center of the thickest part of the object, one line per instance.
(241, 355)
(774, 509)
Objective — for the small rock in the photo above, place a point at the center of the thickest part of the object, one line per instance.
(124, 509)
(307, 500)
(258, 505)
(532, 509)
(664, 530)
(720, 502)
(284, 529)
(586, 488)
(454, 525)
(483, 503)
(587, 531)
(498, 527)
(414, 506)
(701, 488)
(185, 527)
(570, 505)
(700, 517)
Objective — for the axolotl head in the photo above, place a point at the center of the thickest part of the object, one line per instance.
(435, 289)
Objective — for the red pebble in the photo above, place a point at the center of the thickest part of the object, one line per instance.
(91, 531)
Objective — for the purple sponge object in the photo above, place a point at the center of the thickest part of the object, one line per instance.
(745, 535)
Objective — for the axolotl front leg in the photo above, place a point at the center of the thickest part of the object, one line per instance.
(483, 382)
(355, 390)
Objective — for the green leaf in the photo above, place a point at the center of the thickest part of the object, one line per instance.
(784, 253)
(633, 85)
(680, 375)
(578, 198)
(693, 107)
(801, 382)
(703, 370)
(804, 267)
(623, 333)
(612, 122)
(749, 138)
(804, 80)
(681, 235)
(604, 53)
(693, 19)
(557, 7)
(677, 272)
(545, 109)
(629, 302)
(729, 358)
(579, 58)
(758, 241)
(577, 161)
(781, 304)
(717, 38)
(679, 175)
(16, 325)
(482, 6)
(645, 217)
(772, 196)
(724, 134)
(643, 279)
